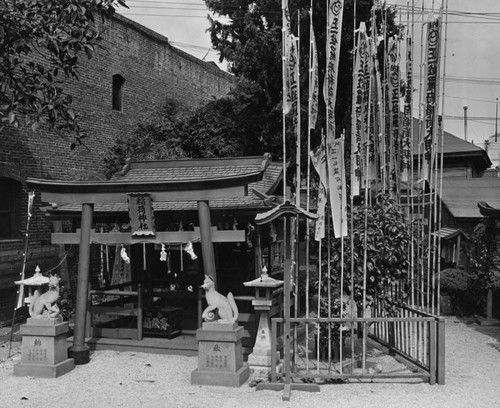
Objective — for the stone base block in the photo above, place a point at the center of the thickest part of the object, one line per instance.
(81, 355)
(219, 326)
(487, 321)
(260, 360)
(47, 371)
(260, 373)
(225, 379)
(44, 349)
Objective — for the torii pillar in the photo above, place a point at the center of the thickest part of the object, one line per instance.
(79, 351)
(207, 247)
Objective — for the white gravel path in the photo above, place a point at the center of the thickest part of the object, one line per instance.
(124, 380)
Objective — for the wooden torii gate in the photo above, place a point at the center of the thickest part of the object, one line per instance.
(89, 193)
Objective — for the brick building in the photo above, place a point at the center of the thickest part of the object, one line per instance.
(125, 81)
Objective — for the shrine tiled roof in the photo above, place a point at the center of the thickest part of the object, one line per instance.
(189, 169)
(196, 170)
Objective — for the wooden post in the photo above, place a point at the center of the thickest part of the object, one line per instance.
(207, 247)
(457, 259)
(441, 322)
(287, 271)
(139, 312)
(63, 269)
(489, 304)
(432, 344)
(79, 351)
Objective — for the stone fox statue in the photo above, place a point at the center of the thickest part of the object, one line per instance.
(226, 307)
(44, 305)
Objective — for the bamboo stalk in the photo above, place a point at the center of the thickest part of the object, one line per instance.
(20, 289)
(442, 158)
(308, 200)
(318, 327)
(341, 272)
(329, 283)
(283, 71)
(297, 199)
(352, 301)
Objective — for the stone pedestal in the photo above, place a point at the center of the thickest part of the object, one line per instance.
(259, 360)
(44, 350)
(220, 356)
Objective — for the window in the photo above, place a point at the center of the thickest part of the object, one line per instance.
(9, 194)
(118, 82)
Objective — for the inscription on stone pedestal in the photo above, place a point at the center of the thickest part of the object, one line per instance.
(220, 356)
(216, 356)
(38, 351)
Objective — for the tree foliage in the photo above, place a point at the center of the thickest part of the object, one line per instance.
(176, 131)
(251, 43)
(388, 238)
(485, 270)
(41, 42)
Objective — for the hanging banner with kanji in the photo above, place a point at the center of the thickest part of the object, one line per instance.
(393, 99)
(431, 93)
(336, 186)
(292, 76)
(318, 159)
(361, 80)
(140, 210)
(407, 138)
(335, 16)
(313, 79)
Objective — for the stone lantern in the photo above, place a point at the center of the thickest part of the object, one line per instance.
(259, 360)
(36, 282)
(44, 350)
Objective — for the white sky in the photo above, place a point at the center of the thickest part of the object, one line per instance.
(184, 23)
(472, 51)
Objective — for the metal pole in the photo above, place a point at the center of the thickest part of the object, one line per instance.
(465, 123)
(496, 121)
(79, 351)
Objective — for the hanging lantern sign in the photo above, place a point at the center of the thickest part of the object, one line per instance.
(140, 210)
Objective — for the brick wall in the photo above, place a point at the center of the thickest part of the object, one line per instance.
(153, 70)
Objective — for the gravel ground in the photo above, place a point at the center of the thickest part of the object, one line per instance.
(114, 379)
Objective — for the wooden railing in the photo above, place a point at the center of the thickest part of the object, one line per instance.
(121, 304)
(409, 336)
(425, 361)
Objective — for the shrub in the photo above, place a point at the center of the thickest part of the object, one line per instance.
(454, 280)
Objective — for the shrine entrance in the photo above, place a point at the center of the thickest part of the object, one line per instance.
(154, 241)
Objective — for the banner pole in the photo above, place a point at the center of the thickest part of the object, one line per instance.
(20, 291)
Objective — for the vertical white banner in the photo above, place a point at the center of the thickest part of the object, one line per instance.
(406, 137)
(356, 121)
(286, 31)
(431, 80)
(334, 36)
(336, 186)
(318, 159)
(313, 79)
(292, 75)
(394, 92)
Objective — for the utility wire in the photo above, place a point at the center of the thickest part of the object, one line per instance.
(166, 1)
(470, 99)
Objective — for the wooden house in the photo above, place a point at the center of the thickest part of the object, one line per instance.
(461, 158)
